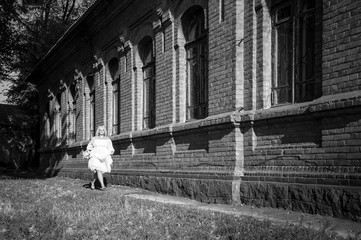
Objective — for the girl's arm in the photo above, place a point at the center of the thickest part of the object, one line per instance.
(90, 145)
(110, 147)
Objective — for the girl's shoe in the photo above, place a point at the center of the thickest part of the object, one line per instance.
(92, 187)
(102, 189)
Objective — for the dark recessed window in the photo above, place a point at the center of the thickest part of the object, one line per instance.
(115, 77)
(148, 60)
(296, 51)
(193, 22)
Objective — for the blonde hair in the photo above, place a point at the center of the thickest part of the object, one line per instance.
(101, 128)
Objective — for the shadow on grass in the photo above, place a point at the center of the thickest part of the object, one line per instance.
(96, 184)
(12, 173)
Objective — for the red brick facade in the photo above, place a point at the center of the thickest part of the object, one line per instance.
(303, 155)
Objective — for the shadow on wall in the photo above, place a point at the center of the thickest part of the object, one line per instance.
(202, 138)
(287, 132)
(298, 131)
(51, 163)
(51, 154)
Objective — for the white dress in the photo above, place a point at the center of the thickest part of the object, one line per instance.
(100, 150)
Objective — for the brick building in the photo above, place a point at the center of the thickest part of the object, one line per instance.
(252, 101)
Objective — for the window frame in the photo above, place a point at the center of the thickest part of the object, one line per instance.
(197, 80)
(116, 106)
(92, 112)
(298, 88)
(146, 53)
(149, 95)
(114, 75)
(92, 98)
(48, 123)
(72, 112)
(58, 116)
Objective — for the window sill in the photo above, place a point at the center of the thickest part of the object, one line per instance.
(322, 105)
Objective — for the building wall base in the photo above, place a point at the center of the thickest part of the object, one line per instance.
(340, 202)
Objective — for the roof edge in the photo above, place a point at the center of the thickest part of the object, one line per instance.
(61, 39)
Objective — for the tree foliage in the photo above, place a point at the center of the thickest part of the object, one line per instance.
(28, 30)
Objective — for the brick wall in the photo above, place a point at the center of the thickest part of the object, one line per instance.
(165, 94)
(303, 156)
(222, 43)
(341, 46)
(250, 33)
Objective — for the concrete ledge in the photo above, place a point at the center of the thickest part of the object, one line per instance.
(162, 173)
(321, 107)
(215, 122)
(316, 109)
(203, 190)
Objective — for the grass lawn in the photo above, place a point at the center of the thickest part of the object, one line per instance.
(60, 208)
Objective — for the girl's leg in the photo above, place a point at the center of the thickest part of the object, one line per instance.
(100, 177)
(92, 186)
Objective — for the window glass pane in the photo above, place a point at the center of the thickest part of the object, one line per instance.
(309, 4)
(146, 54)
(192, 52)
(195, 30)
(197, 58)
(284, 52)
(148, 57)
(193, 88)
(72, 113)
(116, 107)
(73, 93)
(284, 13)
(113, 66)
(305, 85)
(59, 127)
(294, 38)
(74, 125)
(92, 113)
(152, 102)
(203, 94)
(147, 72)
(146, 50)
(194, 24)
(90, 80)
(146, 107)
(283, 55)
(307, 47)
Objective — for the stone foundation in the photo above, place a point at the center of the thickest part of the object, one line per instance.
(341, 202)
(203, 190)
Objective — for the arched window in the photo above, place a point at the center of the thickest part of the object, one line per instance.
(58, 122)
(296, 73)
(147, 57)
(90, 81)
(193, 22)
(72, 113)
(47, 124)
(113, 66)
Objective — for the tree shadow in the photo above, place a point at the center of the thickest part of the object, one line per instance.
(12, 173)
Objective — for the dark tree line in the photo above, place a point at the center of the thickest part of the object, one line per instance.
(28, 29)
